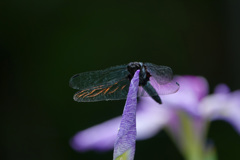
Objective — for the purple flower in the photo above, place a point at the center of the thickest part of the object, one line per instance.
(223, 105)
(125, 143)
(185, 114)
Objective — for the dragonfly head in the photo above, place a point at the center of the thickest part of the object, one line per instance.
(133, 67)
(143, 76)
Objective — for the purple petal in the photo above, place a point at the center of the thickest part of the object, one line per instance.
(192, 90)
(126, 138)
(151, 118)
(196, 84)
(221, 88)
(222, 106)
(100, 137)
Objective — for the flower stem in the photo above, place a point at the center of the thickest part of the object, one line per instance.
(191, 141)
(189, 134)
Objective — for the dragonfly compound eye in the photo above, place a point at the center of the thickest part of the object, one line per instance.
(133, 67)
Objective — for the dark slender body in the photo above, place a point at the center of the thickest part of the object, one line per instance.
(143, 79)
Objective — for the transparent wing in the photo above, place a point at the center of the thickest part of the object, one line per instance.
(162, 74)
(168, 88)
(90, 80)
(115, 91)
(161, 80)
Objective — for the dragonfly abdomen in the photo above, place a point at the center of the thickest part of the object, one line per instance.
(152, 92)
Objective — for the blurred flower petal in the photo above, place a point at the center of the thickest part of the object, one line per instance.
(151, 117)
(124, 146)
(99, 137)
(222, 106)
(221, 88)
(192, 90)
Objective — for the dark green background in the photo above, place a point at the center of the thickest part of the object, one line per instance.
(43, 43)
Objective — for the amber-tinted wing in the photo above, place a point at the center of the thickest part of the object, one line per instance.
(116, 91)
(109, 84)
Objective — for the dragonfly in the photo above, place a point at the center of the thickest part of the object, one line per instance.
(113, 83)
